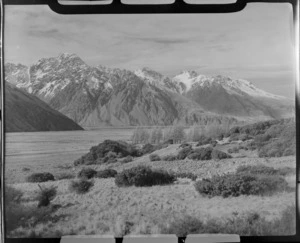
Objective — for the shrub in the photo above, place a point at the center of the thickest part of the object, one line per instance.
(257, 170)
(217, 155)
(111, 155)
(107, 173)
(214, 143)
(289, 151)
(20, 215)
(25, 169)
(235, 149)
(106, 149)
(64, 175)
(185, 145)
(203, 141)
(87, 173)
(261, 139)
(169, 157)
(46, 195)
(286, 170)
(148, 148)
(185, 175)
(82, 186)
(244, 137)
(245, 224)
(270, 184)
(240, 184)
(183, 153)
(127, 159)
(201, 154)
(143, 176)
(110, 160)
(40, 177)
(277, 148)
(220, 137)
(12, 195)
(234, 137)
(183, 226)
(154, 157)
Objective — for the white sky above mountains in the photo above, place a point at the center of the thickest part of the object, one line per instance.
(254, 44)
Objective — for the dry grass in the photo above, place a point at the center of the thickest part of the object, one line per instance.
(107, 209)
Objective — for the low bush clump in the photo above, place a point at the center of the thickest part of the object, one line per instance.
(240, 184)
(169, 157)
(277, 148)
(107, 173)
(189, 175)
(214, 143)
(154, 157)
(64, 175)
(127, 159)
(87, 173)
(203, 141)
(244, 137)
(40, 177)
(183, 153)
(18, 214)
(185, 145)
(201, 154)
(12, 195)
(245, 224)
(183, 226)
(217, 155)
(286, 170)
(45, 196)
(143, 176)
(233, 150)
(148, 148)
(82, 186)
(257, 170)
(108, 160)
(109, 149)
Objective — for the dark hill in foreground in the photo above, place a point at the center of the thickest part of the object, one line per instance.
(27, 113)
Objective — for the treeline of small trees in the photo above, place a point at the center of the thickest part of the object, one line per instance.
(179, 133)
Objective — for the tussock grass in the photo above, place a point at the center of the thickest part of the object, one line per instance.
(107, 208)
(246, 224)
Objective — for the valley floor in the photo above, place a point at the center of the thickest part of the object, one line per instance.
(108, 209)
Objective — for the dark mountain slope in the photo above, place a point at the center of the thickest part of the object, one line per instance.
(26, 113)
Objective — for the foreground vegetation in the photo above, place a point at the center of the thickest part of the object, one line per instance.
(221, 180)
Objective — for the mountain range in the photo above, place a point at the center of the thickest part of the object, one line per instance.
(101, 96)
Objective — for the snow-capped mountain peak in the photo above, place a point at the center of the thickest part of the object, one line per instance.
(149, 75)
(187, 79)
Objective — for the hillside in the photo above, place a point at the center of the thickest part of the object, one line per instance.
(26, 113)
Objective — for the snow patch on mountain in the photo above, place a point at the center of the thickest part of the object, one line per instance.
(189, 78)
(233, 86)
(49, 90)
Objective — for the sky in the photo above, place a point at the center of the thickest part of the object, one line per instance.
(254, 44)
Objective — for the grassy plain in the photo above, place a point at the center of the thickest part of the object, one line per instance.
(108, 209)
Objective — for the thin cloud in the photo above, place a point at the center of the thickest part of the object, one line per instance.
(50, 33)
(161, 40)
